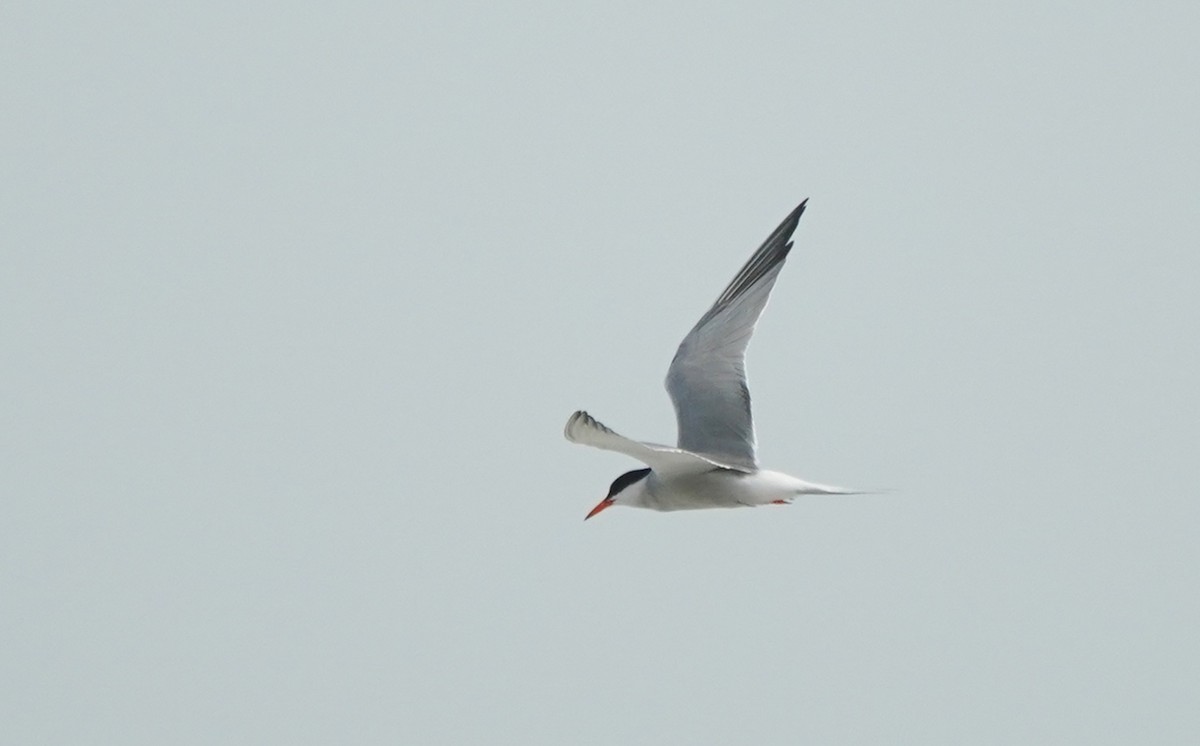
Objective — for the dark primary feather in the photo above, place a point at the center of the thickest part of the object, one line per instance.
(772, 252)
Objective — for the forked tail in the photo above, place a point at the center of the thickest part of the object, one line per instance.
(811, 488)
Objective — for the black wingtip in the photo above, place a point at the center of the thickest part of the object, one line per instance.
(799, 210)
(788, 226)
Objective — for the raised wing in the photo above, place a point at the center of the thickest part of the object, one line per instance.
(707, 378)
(584, 429)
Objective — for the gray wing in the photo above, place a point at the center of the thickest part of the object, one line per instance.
(587, 430)
(707, 378)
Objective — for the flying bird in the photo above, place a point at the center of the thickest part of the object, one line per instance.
(714, 465)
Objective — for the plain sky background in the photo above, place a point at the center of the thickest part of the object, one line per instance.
(296, 300)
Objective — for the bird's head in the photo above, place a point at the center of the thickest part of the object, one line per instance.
(626, 489)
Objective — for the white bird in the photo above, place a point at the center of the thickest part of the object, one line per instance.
(714, 465)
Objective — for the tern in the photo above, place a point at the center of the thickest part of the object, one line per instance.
(714, 464)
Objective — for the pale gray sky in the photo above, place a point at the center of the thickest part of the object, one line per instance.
(296, 301)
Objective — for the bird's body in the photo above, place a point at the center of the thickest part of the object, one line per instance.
(724, 488)
(714, 465)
